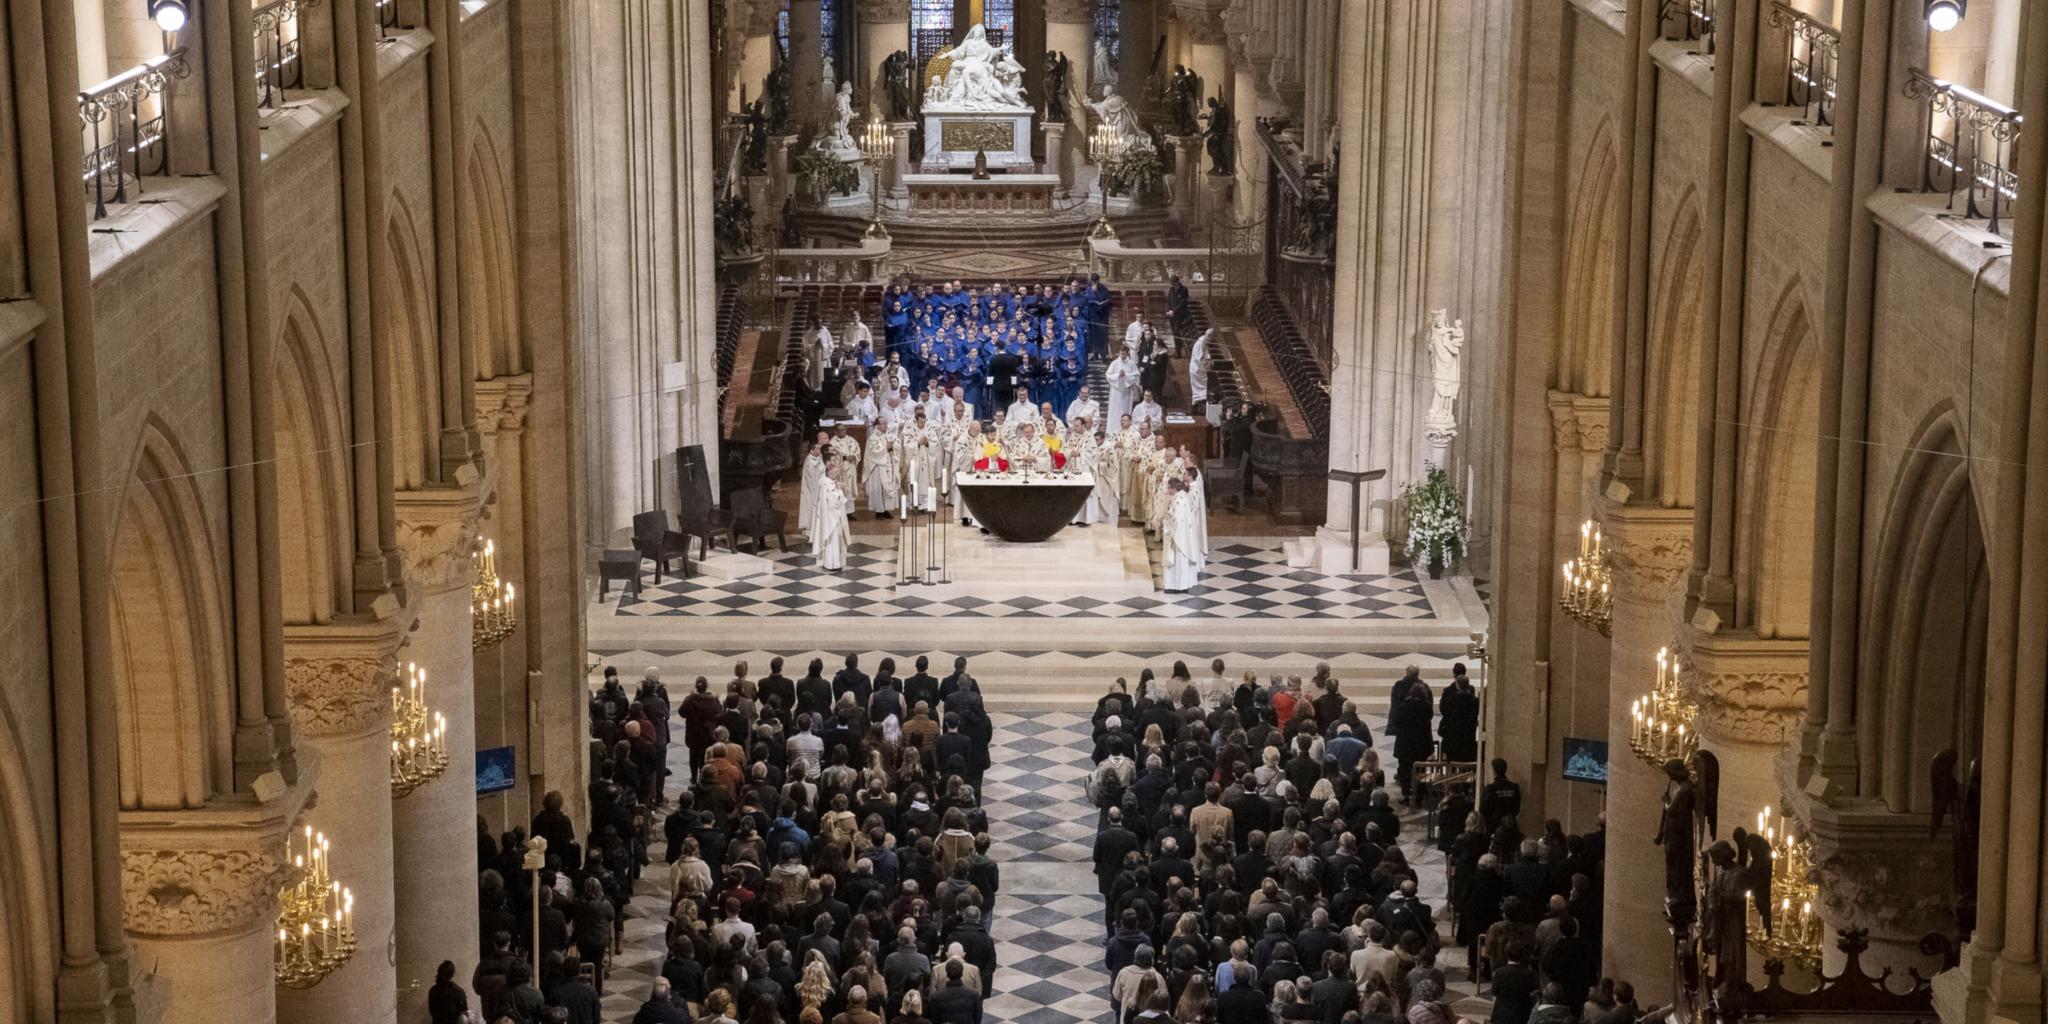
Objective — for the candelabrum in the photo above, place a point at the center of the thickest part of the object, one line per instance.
(1588, 593)
(1793, 934)
(877, 149)
(493, 602)
(315, 916)
(1661, 723)
(1104, 147)
(419, 736)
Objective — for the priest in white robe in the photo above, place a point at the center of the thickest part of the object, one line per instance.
(1084, 407)
(1023, 410)
(857, 333)
(966, 450)
(883, 471)
(1149, 411)
(862, 408)
(823, 349)
(1198, 369)
(1135, 332)
(1179, 539)
(1027, 452)
(1123, 383)
(830, 535)
(924, 458)
(844, 465)
(813, 478)
(1199, 490)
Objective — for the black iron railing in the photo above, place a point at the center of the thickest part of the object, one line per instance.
(127, 123)
(279, 63)
(1693, 20)
(1969, 148)
(1812, 54)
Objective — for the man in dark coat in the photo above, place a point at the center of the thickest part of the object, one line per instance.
(1410, 722)
(954, 1002)
(700, 713)
(852, 680)
(1514, 988)
(813, 692)
(979, 948)
(1112, 844)
(1458, 718)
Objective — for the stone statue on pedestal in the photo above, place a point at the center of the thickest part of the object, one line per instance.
(1057, 70)
(1222, 138)
(1102, 73)
(898, 87)
(1962, 800)
(1724, 924)
(1122, 119)
(977, 75)
(1315, 218)
(1446, 373)
(842, 120)
(777, 92)
(1689, 802)
(755, 141)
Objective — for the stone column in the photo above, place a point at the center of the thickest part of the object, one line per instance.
(1187, 174)
(884, 29)
(1383, 188)
(435, 866)
(650, 383)
(1751, 692)
(1070, 29)
(806, 63)
(1056, 157)
(1649, 548)
(1246, 106)
(1321, 107)
(899, 168)
(200, 889)
(1579, 658)
(502, 696)
(339, 677)
(1202, 24)
(757, 53)
(1285, 75)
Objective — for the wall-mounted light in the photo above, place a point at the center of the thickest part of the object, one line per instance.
(1943, 15)
(169, 15)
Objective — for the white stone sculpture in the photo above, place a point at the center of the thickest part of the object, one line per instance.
(979, 76)
(1122, 119)
(842, 120)
(1103, 72)
(1446, 348)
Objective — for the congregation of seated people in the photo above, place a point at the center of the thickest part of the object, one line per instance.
(827, 862)
(1255, 869)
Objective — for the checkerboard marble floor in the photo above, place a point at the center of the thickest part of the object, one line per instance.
(1048, 918)
(1247, 578)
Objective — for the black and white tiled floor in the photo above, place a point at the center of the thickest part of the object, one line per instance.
(1048, 918)
(1246, 579)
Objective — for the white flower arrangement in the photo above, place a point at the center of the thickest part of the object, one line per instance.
(1437, 524)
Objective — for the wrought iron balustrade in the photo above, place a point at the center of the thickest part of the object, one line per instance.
(1812, 57)
(127, 124)
(1969, 148)
(1694, 21)
(279, 61)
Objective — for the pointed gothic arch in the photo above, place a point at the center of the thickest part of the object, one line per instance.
(1777, 457)
(1585, 327)
(489, 265)
(312, 472)
(1671, 422)
(415, 358)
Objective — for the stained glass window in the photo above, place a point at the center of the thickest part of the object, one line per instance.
(1109, 26)
(1000, 17)
(931, 31)
(828, 39)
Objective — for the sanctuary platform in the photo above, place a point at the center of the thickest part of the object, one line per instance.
(998, 194)
(1097, 562)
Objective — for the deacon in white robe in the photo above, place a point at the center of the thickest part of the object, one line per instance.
(830, 536)
(1148, 411)
(1087, 455)
(883, 471)
(894, 414)
(1027, 451)
(923, 461)
(966, 451)
(823, 348)
(862, 408)
(1135, 332)
(844, 466)
(938, 405)
(813, 477)
(1198, 368)
(1023, 410)
(1123, 383)
(892, 378)
(1199, 490)
(1179, 540)
(857, 333)
(1084, 407)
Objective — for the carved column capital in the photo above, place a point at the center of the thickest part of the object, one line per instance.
(502, 403)
(338, 675)
(1877, 870)
(1649, 546)
(883, 11)
(437, 530)
(1749, 690)
(1070, 11)
(1577, 423)
(211, 871)
(1204, 22)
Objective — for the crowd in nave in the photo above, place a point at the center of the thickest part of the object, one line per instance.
(826, 863)
(1251, 857)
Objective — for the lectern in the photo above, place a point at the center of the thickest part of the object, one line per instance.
(1357, 479)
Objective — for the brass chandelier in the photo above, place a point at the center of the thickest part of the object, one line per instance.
(1588, 593)
(419, 736)
(315, 916)
(1793, 935)
(492, 602)
(1661, 723)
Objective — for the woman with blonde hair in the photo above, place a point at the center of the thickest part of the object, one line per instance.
(815, 988)
(912, 1010)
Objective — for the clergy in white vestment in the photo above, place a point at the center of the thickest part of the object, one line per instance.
(1199, 490)
(857, 332)
(1000, 428)
(1123, 383)
(1164, 466)
(1148, 411)
(1135, 332)
(1027, 452)
(1198, 368)
(938, 405)
(1023, 410)
(813, 478)
(1084, 407)
(862, 409)
(966, 450)
(1131, 468)
(1049, 424)
(924, 453)
(883, 471)
(894, 413)
(823, 348)
(1179, 540)
(844, 466)
(1085, 454)
(830, 536)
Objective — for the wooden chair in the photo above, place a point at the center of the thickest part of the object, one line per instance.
(705, 522)
(753, 517)
(655, 541)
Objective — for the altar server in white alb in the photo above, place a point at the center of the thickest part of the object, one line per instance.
(1122, 373)
(924, 451)
(1084, 408)
(883, 471)
(829, 532)
(814, 476)
(1149, 411)
(822, 350)
(1180, 540)
(1198, 369)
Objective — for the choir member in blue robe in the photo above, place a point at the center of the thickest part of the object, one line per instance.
(973, 378)
(1098, 311)
(896, 304)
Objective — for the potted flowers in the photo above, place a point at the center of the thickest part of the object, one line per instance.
(820, 172)
(1437, 526)
(1135, 173)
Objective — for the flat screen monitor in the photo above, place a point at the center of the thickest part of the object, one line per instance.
(1585, 760)
(497, 769)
